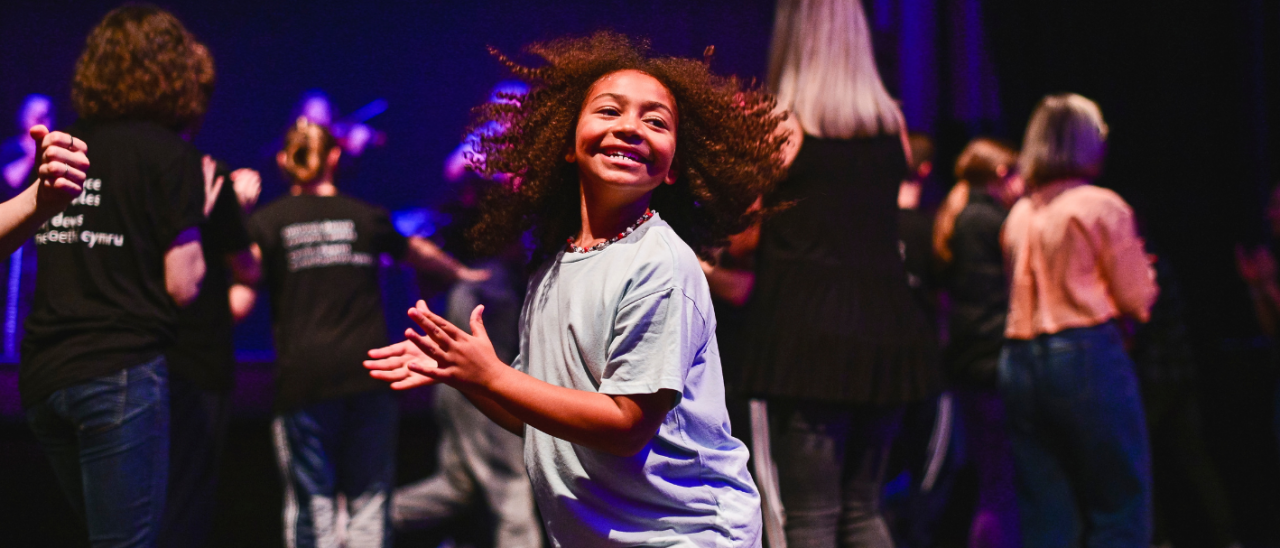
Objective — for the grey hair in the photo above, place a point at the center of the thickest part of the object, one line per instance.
(1066, 139)
(822, 69)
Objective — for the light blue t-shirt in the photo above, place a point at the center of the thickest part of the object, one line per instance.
(635, 318)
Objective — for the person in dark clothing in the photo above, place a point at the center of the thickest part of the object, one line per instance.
(114, 269)
(1184, 479)
(834, 340)
(335, 426)
(202, 361)
(979, 294)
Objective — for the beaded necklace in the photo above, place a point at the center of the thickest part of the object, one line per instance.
(573, 248)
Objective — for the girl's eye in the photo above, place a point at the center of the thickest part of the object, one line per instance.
(657, 122)
(610, 111)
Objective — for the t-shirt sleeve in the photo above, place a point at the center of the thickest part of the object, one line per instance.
(259, 229)
(656, 339)
(181, 187)
(385, 237)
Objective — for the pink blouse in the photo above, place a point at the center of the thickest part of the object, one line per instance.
(1077, 261)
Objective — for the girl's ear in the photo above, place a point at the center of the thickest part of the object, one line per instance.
(673, 173)
(570, 157)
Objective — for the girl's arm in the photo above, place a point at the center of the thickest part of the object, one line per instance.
(621, 425)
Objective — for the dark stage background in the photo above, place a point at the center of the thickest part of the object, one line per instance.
(1190, 90)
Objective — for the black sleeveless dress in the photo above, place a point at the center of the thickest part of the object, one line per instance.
(832, 318)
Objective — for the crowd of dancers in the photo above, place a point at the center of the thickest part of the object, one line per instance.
(680, 311)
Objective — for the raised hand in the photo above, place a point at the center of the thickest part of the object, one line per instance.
(247, 184)
(212, 185)
(391, 364)
(462, 359)
(62, 163)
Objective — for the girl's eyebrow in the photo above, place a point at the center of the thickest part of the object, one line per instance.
(647, 105)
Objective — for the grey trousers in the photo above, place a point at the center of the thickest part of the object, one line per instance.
(479, 463)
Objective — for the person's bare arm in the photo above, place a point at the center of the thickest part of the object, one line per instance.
(184, 267)
(1258, 270)
(731, 284)
(429, 258)
(246, 272)
(621, 425)
(62, 164)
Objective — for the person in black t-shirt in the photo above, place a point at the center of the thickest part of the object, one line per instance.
(335, 426)
(202, 361)
(114, 269)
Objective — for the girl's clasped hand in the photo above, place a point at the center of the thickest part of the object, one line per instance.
(444, 354)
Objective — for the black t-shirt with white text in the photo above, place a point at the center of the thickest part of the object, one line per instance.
(320, 257)
(101, 304)
(204, 352)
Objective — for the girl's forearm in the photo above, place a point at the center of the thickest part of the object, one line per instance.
(619, 425)
(495, 412)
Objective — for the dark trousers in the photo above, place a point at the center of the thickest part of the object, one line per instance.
(1079, 440)
(1185, 477)
(108, 441)
(831, 463)
(995, 519)
(198, 431)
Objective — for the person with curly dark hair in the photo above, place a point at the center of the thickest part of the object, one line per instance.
(617, 388)
(114, 269)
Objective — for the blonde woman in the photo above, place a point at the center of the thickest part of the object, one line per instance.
(835, 343)
(1070, 391)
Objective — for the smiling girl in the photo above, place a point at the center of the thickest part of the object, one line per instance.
(617, 389)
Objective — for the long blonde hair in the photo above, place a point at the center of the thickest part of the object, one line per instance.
(822, 68)
(306, 149)
(977, 167)
(1066, 139)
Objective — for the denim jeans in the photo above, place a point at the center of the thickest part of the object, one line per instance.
(831, 463)
(108, 440)
(343, 446)
(1079, 440)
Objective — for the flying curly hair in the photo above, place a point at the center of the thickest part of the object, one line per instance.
(726, 146)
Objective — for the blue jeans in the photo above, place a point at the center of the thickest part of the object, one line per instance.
(344, 446)
(1079, 439)
(108, 440)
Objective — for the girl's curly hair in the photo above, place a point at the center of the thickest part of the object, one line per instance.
(140, 62)
(726, 145)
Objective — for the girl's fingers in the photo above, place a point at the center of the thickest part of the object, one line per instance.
(477, 323)
(387, 351)
(433, 331)
(395, 362)
(449, 329)
(429, 347)
(390, 376)
(412, 382)
(433, 373)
